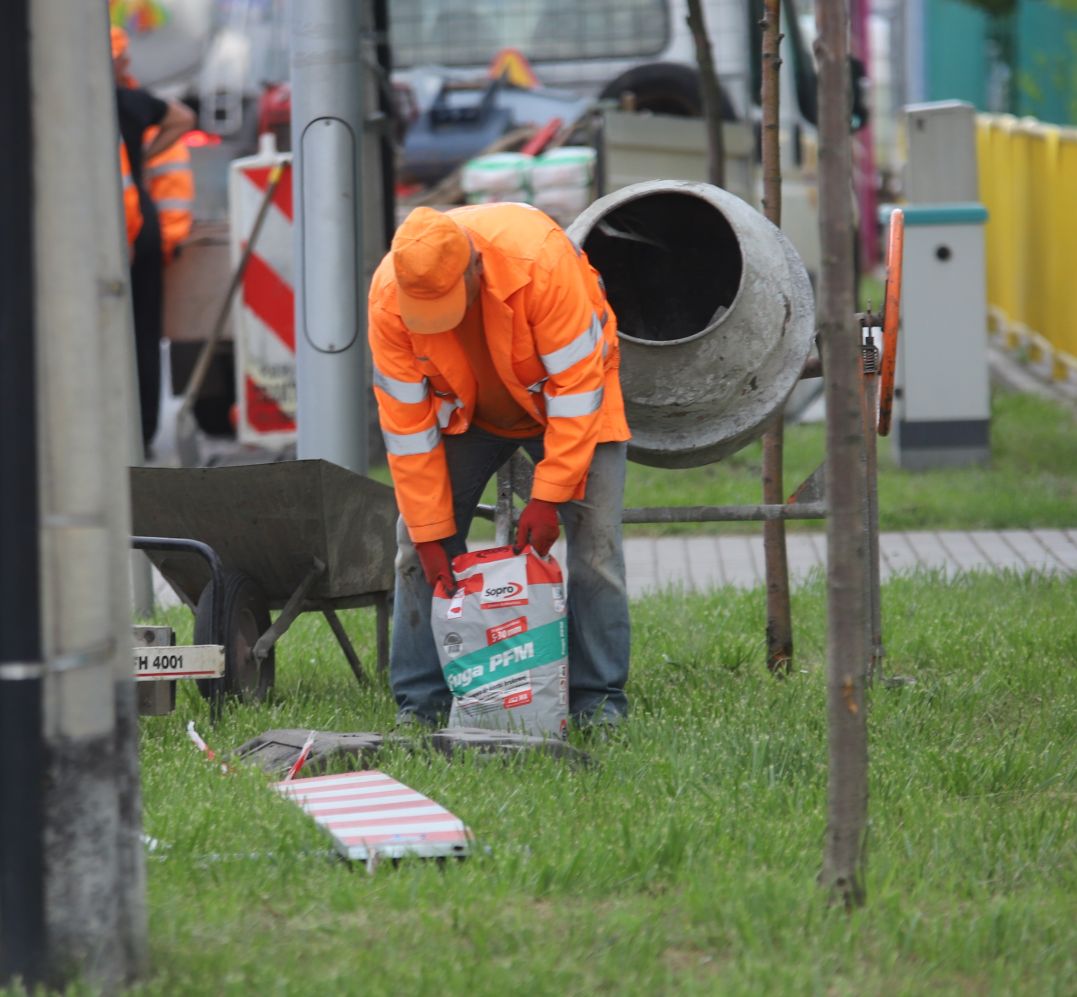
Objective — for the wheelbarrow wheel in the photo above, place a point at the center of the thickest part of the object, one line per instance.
(245, 617)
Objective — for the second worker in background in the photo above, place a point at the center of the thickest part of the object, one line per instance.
(138, 112)
(490, 331)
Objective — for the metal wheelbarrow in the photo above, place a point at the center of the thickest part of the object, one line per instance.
(293, 536)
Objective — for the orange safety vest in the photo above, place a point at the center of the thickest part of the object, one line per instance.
(132, 213)
(170, 182)
(553, 341)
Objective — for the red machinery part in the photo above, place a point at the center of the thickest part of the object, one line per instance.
(891, 320)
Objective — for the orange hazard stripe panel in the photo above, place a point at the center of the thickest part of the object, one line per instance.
(271, 299)
(282, 197)
(264, 413)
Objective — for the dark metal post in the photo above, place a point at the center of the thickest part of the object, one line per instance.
(503, 510)
(874, 622)
(711, 91)
(22, 904)
(779, 614)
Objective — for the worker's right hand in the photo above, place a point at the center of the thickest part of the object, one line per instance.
(435, 562)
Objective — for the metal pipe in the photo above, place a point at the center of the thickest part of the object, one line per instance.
(216, 572)
(502, 516)
(346, 646)
(705, 513)
(288, 614)
(726, 513)
(22, 882)
(870, 381)
(776, 563)
(384, 57)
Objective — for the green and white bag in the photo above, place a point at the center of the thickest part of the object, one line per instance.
(502, 640)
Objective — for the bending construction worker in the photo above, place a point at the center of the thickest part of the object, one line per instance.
(491, 331)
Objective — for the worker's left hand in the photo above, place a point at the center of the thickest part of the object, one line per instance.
(538, 527)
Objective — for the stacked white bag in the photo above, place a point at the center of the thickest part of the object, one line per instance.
(562, 182)
(500, 176)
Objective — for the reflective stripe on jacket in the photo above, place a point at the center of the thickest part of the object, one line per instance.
(553, 342)
(170, 182)
(132, 213)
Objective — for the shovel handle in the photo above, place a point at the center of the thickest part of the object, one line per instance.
(201, 367)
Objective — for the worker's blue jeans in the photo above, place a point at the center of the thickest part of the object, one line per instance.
(598, 629)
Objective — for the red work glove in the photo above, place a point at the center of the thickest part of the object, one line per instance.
(538, 526)
(435, 562)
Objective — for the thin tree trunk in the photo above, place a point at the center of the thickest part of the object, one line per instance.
(711, 91)
(770, 99)
(847, 582)
(779, 615)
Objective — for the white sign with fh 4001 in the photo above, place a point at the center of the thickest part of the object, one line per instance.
(191, 661)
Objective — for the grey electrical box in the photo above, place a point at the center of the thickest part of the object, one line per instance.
(942, 411)
(941, 164)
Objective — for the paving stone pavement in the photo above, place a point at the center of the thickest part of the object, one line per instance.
(698, 563)
(703, 562)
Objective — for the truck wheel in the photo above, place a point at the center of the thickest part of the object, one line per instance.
(245, 615)
(664, 88)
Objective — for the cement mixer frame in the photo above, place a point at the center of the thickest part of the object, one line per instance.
(808, 501)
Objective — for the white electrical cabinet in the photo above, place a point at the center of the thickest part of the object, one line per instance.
(942, 407)
(941, 142)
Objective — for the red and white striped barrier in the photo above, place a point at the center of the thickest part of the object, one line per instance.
(370, 814)
(263, 316)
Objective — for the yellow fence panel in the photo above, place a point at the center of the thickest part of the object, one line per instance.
(1028, 183)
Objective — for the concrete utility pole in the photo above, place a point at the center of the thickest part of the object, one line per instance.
(70, 777)
(848, 645)
(327, 140)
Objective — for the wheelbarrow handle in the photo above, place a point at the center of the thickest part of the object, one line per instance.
(216, 571)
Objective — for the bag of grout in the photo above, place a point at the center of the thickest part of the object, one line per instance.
(502, 640)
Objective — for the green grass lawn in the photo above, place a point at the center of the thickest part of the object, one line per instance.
(684, 859)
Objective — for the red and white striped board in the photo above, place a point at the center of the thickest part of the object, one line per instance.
(263, 316)
(370, 813)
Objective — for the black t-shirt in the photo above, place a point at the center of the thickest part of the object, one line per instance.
(138, 110)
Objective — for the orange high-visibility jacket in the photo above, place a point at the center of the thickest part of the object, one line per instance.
(132, 213)
(170, 182)
(553, 341)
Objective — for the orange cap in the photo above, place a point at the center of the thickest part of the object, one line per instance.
(431, 253)
(119, 42)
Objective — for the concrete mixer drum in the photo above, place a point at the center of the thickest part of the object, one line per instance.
(715, 312)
